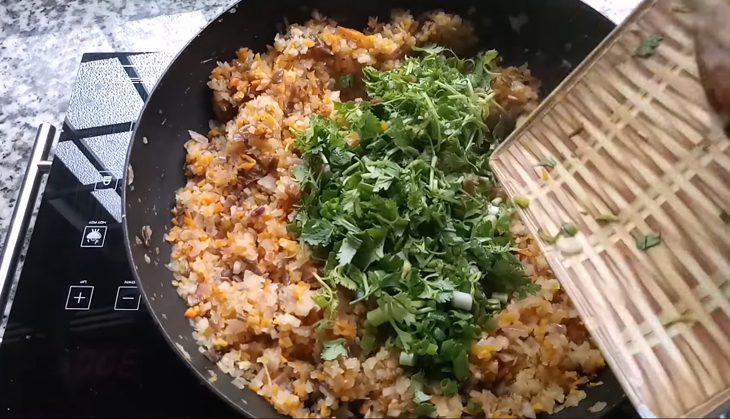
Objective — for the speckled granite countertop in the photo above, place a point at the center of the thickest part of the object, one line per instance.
(42, 42)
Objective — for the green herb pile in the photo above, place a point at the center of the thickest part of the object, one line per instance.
(399, 205)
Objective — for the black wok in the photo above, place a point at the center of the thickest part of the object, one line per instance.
(552, 36)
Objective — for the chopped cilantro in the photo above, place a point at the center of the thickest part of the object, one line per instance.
(367, 342)
(334, 349)
(317, 232)
(348, 248)
(403, 218)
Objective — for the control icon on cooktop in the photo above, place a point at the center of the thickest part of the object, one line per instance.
(108, 181)
(127, 298)
(79, 297)
(94, 236)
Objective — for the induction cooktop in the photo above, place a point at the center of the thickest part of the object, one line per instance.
(78, 340)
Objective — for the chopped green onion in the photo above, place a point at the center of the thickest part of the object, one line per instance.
(461, 300)
(681, 319)
(431, 349)
(345, 82)
(503, 297)
(473, 407)
(547, 162)
(420, 397)
(405, 269)
(493, 304)
(448, 387)
(607, 218)
(425, 410)
(522, 201)
(570, 246)
(376, 317)
(569, 229)
(548, 238)
(406, 359)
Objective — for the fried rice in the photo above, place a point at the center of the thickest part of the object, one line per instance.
(249, 284)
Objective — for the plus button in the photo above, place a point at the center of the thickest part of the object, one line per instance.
(79, 297)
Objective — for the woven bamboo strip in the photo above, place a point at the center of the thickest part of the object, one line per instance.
(636, 138)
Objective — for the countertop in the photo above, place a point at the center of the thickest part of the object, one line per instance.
(42, 42)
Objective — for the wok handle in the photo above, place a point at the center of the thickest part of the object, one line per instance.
(18, 227)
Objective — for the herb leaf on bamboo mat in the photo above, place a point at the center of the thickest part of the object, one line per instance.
(647, 46)
(522, 201)
(548, 163)
(568, 229)
(648, 241)
(397, 205)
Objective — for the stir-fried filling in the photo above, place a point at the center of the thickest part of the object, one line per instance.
(341, 244)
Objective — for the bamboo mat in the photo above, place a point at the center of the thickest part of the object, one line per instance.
(638, 155)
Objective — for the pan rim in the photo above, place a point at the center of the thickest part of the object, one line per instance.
(236, 406)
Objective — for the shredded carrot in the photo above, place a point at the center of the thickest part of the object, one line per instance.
(357, 36)
(248, 164)
(192, 313)
(524, 252)
(188, 221)
(345, 328)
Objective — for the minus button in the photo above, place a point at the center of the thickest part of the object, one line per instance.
(128, 298)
